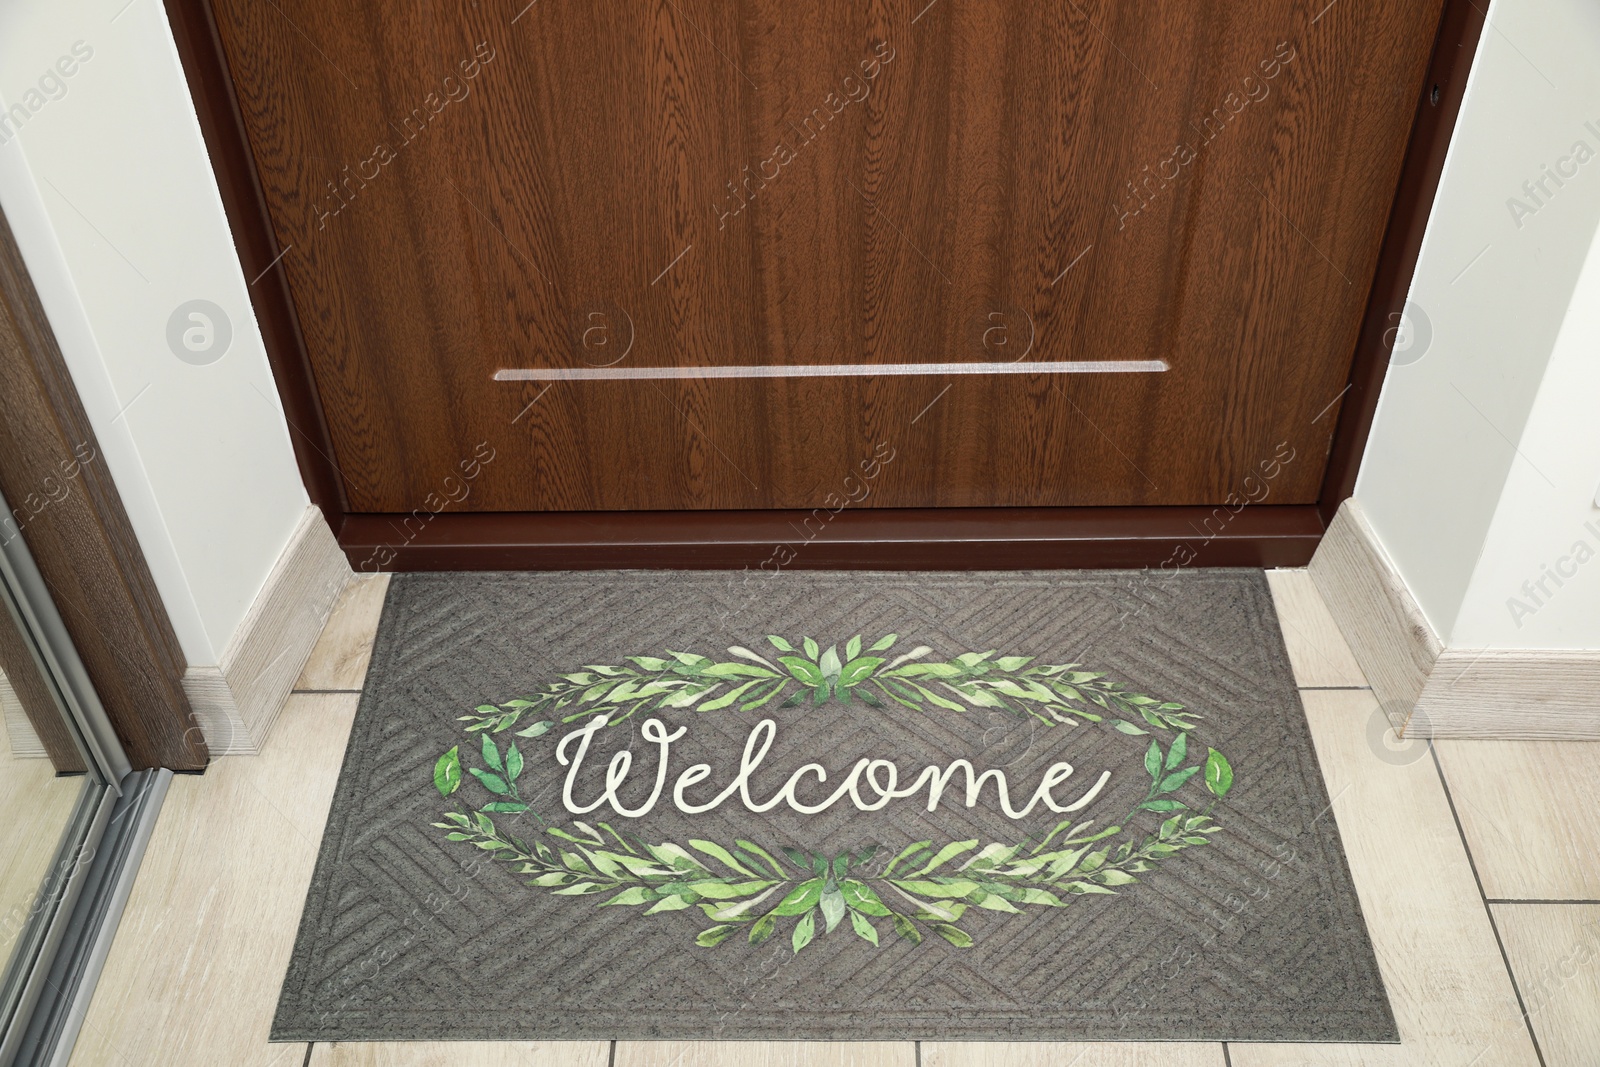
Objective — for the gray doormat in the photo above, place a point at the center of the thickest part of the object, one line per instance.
(1161, 863)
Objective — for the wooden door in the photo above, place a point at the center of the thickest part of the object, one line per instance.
(731, 254)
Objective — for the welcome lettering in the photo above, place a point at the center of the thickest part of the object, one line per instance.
(879, 778)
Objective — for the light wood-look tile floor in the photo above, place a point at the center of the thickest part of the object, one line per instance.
(1474, 861)
(339, 659)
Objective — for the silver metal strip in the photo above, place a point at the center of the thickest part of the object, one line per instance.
(27, 991)
(53, 1029)
(831, 370)
(49, 919)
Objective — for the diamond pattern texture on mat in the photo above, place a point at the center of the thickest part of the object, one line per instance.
(1256, 936)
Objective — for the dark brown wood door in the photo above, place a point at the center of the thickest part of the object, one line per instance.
(664, 254)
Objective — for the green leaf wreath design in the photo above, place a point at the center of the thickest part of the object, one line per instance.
(922, 888)
(1051, 693)
(925, 887)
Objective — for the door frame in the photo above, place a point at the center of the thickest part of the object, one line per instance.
(72, 519)
(1261, 535)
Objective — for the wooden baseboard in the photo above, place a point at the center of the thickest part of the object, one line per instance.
(1428, 690)
(1256, 535)
(1387, 631)
(237, 700)
(1535, 694)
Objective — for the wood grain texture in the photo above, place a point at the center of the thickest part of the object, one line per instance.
(1391, 638)
(193, 974)
(585, 169)
(1554, 951)
(1431, 691)
(1525, 809)
(344, 648)
(80, 536)
(460, 1054)
(237, 701)
(1317, 650)
(1057, 1054)
(765, 1054)
(1527, 693)
(1451, 995)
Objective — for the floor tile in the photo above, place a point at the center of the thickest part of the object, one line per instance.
(1526, 808)
(339, 659)
(1051, 1054)
(193, 974)
(765, 1054)
(462, 1054)
(1317, 650)
(233, 851)
(1447, 982)
(1554, 951)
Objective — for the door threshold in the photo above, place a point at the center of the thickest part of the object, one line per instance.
(1279, 535)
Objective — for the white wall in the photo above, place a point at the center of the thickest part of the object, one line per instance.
(1483, 458)
(1538, 583)
(110, 193)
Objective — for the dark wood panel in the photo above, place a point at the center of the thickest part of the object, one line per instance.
(82, 541)
(995, 145)
(1437, 102)
(1160, 539)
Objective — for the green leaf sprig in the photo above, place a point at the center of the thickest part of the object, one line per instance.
(811, 674)
(744, 886)
(499, 776)
(1168, 775)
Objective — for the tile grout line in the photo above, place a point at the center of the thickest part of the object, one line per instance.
(1334, 688)
(611, 1057)
(918, 1045)
(1522, 1006)
(292, 691)
(1227, 1060)
(1536, 900)
(307, 1061)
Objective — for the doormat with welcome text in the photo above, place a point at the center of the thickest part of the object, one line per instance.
(831, 806)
